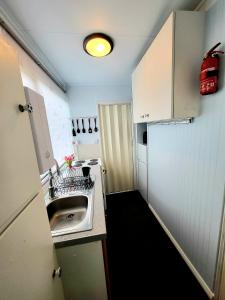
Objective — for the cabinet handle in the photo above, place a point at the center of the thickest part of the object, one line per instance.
(142, 116)
(57, 272)
(28, 107)
(146, 115)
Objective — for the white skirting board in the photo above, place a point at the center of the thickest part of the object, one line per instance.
(184, 256)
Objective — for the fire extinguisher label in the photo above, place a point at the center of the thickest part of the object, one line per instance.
(208, 85)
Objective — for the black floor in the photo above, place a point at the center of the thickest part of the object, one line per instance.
(143, 262)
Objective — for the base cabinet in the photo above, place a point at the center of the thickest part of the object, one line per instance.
(142, 179)
(142, 170)
(28, 258)
(83, 273)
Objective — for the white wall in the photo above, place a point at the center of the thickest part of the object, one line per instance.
(187, 169)
(83, 102)
(56, 101)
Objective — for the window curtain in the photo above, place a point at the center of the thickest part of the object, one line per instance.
(116, 146)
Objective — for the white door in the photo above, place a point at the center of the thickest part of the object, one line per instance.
(27, 257)
(117, 146)
(19, 176)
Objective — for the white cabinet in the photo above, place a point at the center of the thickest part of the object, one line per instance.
(19, 176)
(165, 84)
(28, 257)
(142, 171)
(142, 153)
(83, 271)
(143, 179)
(40, 130)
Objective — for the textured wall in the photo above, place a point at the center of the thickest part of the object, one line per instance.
(187, 169)
(84, 99)
(56, 102)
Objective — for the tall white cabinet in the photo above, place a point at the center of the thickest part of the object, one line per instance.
(27, 257)
(165, 84)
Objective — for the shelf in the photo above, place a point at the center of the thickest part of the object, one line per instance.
(140, 129)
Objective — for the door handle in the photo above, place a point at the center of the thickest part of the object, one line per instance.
(28, 107)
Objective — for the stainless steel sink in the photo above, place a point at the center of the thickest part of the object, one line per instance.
(71, 213)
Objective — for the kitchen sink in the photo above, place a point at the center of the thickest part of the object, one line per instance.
(71, 213)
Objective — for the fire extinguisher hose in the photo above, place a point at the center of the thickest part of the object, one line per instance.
(212, 51)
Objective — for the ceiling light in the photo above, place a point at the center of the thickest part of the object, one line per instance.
(98, 44)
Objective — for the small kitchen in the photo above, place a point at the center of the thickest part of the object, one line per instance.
(112, 128)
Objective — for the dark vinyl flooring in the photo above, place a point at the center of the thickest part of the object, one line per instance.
(143, 263)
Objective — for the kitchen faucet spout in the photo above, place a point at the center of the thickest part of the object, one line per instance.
(51, 188)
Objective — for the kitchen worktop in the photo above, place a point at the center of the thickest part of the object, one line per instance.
(98, 231)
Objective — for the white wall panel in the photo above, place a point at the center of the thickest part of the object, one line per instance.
(187, 169)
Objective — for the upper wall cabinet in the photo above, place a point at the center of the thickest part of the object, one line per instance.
(165, 84)
(19, 176)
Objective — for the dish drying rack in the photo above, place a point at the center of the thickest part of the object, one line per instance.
(71, 180)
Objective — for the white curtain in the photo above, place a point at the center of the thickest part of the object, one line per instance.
(116, 146)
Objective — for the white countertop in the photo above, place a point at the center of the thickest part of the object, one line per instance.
(98, 232)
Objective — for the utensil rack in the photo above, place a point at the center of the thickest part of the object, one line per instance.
(86, 124)
(71, 180)
(86, 117)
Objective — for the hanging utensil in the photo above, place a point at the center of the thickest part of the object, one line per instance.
(96, 128)
(83, 130)
(78, 129)
(89, 121)
(73, 130)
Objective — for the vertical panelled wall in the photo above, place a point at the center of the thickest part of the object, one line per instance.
(187, 169)
(56, 102)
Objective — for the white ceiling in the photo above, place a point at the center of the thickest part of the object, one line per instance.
(59, 27)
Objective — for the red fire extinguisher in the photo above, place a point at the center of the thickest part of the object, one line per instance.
(209, 71)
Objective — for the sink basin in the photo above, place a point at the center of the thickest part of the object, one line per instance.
(70, 214)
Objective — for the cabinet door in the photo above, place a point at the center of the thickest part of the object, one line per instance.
(142, 153)
(19, 177)
(152, 83)
(138, 91)
(40, 130)
(143, 179)
(28, 257)
(159, 74)
(83, 271)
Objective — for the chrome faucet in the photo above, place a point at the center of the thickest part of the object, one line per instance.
(52, 189)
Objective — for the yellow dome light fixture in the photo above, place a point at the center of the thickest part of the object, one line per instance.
(98, 44)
